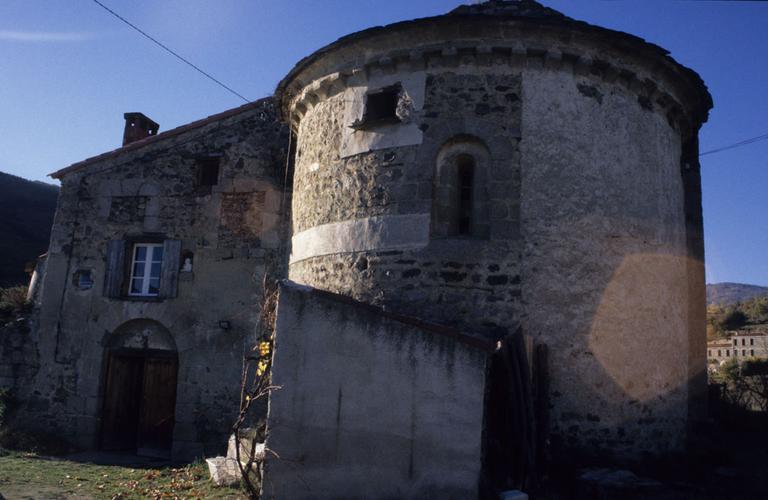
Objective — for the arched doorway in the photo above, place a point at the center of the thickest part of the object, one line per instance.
(140, 389)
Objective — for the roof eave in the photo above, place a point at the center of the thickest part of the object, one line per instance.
(59, 174)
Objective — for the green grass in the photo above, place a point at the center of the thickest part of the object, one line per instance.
(25, 475)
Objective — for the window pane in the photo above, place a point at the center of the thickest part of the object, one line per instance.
(157, 255)
(141, 252)
(154, 286)
(155, 271)
(136, 285)
(138, 270)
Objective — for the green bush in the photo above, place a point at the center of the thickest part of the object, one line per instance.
(13, 303)
(33, 442)
(754, 367)
(733, 320)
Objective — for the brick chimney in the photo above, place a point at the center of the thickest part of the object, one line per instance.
(137, 127)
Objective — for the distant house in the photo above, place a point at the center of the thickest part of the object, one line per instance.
(749, 342)
(718, 352)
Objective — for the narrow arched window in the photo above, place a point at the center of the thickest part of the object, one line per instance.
(466, 184)
(459, 203)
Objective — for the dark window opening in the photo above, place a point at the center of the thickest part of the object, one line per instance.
(82, 279)
(466, 181)
(207, 171)
(751, 352)
(751, 341)
(380, 107)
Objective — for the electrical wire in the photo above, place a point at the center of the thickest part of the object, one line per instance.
(207, 75)
(170, 51)
(736, 145)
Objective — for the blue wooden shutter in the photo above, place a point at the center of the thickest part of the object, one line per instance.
(169, 278)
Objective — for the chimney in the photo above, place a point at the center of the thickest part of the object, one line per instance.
(137, 127)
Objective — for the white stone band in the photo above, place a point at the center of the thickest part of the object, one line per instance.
(383, 232)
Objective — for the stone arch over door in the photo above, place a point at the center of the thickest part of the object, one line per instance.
(140, 389)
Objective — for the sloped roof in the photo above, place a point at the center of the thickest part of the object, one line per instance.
(159, 137)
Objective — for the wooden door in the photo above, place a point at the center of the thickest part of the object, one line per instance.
(122, 402)
(158, 405)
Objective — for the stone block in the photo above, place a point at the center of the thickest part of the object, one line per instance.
(224, 471)
(247, 436)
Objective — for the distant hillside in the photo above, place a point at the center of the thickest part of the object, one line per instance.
(731, 293)
(26, 215)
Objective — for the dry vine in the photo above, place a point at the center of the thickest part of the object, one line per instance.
(255, 384)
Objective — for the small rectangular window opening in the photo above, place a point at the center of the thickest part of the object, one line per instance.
(83, 279)
(380, 107)
(466, 180)
(208, 171)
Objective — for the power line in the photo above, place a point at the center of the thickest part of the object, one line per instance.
(168, 49)
(736, 144)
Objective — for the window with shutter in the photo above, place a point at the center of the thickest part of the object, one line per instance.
(142, 269)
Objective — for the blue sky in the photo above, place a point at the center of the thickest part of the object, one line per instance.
(69, 70)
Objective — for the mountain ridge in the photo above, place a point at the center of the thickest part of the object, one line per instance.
(728, 293)
(26, 216)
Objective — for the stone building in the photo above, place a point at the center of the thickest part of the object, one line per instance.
(505, 166)
(152, 283)
(748, 342)
(718, 352)
(501, 167)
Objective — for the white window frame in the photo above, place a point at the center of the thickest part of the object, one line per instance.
(147, 275)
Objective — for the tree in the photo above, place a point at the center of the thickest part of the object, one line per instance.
(733, 319)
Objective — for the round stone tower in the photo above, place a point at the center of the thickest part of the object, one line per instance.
(505, 166)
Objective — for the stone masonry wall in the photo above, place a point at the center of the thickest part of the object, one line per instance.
(587, 243)
(232, 232)
(448, 280)
(604, 265)
(19, 359)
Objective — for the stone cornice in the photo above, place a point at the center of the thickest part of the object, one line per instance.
(651, 94)
(554, 42)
